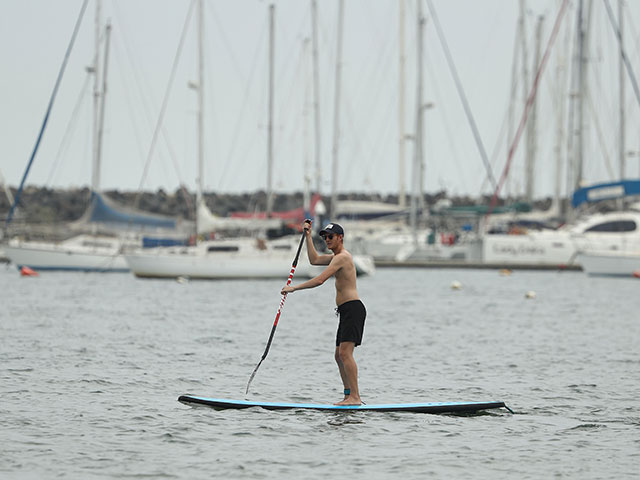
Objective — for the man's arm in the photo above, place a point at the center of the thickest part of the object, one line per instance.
(335, 265)
(314, 257)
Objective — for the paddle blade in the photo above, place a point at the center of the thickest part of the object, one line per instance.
(253, 375)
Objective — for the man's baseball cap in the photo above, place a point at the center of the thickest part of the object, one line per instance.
(332, 228)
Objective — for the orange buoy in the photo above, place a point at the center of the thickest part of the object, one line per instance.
(28, 272)
(636, 274)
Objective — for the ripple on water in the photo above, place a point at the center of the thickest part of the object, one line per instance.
(94, 365)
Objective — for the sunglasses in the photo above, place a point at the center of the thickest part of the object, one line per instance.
(330, 236)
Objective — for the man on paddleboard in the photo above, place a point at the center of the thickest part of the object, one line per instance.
(351, 310)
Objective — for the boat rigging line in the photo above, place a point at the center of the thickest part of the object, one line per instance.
(528, 105)
(625, 59)
(235, 138)
(455, 154)
(139, 82)
(463, 98)
(48, 112)
(165, 101)
(71, 126)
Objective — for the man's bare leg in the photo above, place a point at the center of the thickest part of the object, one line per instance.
(343, 375)
(345, 356)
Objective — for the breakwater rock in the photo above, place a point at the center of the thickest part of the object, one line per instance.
(46, 205)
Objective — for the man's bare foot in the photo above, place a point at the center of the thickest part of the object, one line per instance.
(350, 400)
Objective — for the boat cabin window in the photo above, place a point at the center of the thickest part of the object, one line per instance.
(617, 226)
(223, 248)
(96, 244)
(282, 247)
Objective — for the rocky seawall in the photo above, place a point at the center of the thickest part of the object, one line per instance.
(41, 205)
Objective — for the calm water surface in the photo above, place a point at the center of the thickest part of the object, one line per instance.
(92, 365)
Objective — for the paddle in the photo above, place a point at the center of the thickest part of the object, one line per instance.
(284, 296)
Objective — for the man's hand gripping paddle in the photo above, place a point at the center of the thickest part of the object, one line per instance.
(284, 297)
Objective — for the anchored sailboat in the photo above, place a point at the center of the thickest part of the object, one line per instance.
(252, 256)
(112, 228)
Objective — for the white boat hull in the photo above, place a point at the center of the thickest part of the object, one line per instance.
(610, 264)
(188, 264)
(231, 259)
(222, 259)
(67, 256)
(536, 248)
(595, 233)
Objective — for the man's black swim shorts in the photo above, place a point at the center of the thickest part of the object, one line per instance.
(351, 326)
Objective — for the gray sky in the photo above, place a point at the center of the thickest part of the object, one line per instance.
(481, 34)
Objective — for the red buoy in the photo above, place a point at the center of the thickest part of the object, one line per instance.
(28, 272)
(636, 274)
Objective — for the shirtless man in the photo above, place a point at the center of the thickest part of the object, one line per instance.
(351, 309)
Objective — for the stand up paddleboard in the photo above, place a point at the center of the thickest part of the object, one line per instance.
(455, 407)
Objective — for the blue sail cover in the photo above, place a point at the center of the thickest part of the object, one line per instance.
(605, 191)
(103, 210)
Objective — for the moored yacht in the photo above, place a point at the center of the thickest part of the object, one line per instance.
(597, 232)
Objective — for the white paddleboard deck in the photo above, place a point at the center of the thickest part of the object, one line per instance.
(434, 407)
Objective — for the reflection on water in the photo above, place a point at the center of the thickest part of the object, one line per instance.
(341, 419)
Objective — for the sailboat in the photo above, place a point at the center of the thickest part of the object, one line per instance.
(601, 235)
(620, 258)
(249, 256)
(112, 228)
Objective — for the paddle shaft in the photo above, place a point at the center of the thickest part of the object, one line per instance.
(284, 297)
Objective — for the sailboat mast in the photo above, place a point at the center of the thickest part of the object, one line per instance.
(525, 85)
(200, 88)
(583, 33)
(95, 175)
(102, 102)
(417, 160)
(561, 82)
(533, 124)
(336, 112)
(621, 90)
(270, 120)
(513, 97)
(305, 122)
(580, 97)
(316, 94)
(401, 134)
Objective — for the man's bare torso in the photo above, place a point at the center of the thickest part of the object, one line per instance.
(345, 279)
